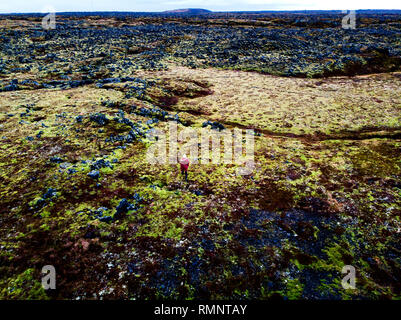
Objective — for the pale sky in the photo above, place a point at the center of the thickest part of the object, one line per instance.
(17, 6)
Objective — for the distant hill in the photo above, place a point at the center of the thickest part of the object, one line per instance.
(192, 11)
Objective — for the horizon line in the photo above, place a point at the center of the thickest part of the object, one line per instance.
(210, 11)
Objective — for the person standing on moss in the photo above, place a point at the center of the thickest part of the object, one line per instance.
(184, 164)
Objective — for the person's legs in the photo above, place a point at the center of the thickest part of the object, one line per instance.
(185, 173)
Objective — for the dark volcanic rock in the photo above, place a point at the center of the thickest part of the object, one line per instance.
(123, 207)
(56, 160)
(50, 193)
(99, 118)
(94, 174)
(213, 125)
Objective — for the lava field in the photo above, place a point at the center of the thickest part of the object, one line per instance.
(79, 108)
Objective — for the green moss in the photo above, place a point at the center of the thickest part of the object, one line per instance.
(22, 287)
(294, 289)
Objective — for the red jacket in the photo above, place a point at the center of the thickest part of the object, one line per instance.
(184, 163)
